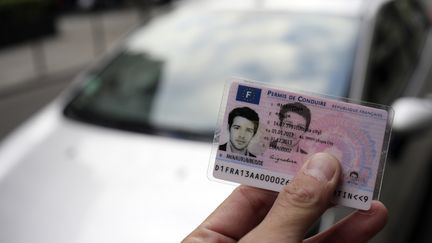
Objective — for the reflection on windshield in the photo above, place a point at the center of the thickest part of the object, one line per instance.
(126, 89)
(172, 72)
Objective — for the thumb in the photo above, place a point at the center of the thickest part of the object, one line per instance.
(300, 203)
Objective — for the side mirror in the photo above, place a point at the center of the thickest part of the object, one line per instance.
(412, 115)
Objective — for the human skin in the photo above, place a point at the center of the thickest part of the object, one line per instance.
(256, 215)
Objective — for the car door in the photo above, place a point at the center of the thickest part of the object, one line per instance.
(400, 57)
(399, 64)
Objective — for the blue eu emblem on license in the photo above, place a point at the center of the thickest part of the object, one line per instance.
(248, 94)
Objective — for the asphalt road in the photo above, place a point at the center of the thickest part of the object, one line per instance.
(20, 102)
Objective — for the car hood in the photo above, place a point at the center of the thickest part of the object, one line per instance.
(63, 181)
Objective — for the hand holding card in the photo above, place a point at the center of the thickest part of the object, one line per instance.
(267, 134)
(255, 215)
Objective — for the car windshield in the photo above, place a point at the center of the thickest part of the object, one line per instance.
(170, 76)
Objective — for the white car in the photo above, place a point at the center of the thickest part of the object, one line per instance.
(122, 155)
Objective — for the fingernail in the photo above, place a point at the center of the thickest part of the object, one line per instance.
(321, 166)
(366, 212)
(371, 211)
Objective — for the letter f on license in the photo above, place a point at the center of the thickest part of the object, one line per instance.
(248, 94)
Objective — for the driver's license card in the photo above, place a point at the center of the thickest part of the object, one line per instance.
(265, 134)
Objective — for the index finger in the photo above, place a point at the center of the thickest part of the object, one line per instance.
(242, 211)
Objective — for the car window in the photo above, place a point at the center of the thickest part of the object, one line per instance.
(172, 72)
(400, 32)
